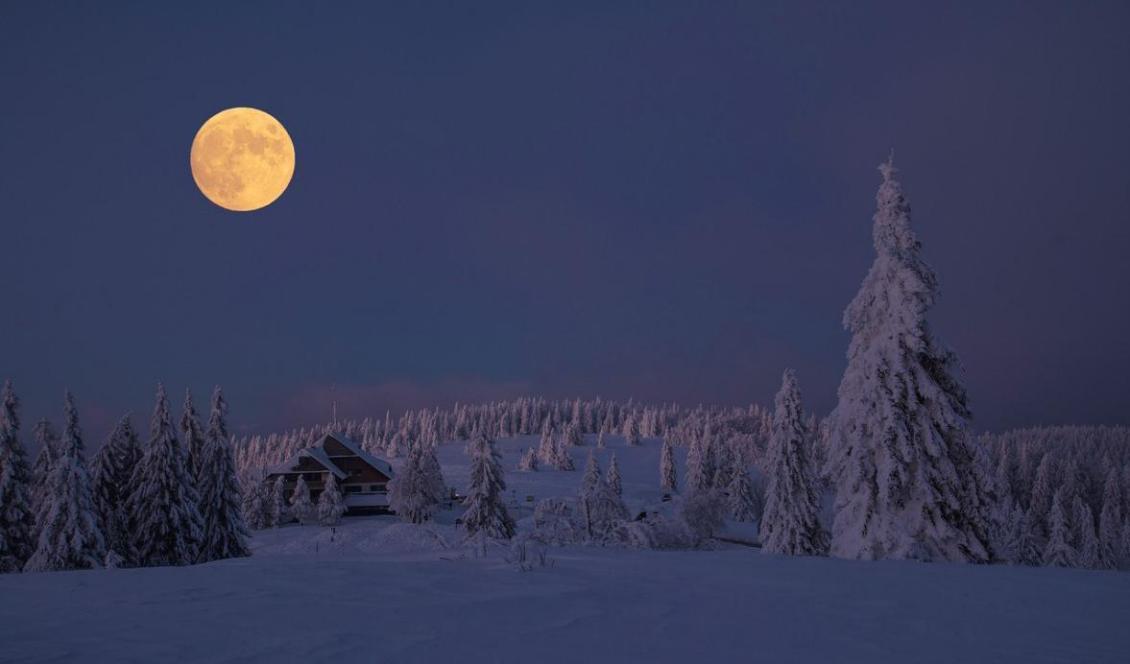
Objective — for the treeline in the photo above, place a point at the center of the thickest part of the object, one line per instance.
(172, 501)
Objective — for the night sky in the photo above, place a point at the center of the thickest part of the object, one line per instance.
(619, 199)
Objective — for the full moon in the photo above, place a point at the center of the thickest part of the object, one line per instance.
(242, 159)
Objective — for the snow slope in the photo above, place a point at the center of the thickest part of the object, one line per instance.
(374, 590)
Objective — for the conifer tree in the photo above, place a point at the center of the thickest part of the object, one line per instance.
(47, 440)
(331, 506)
(16, 515)
(614, 480)
(529, 460)
(790, 523)
(1086, 542)
(562, 460)
(277, 511)
(300, 504)
(899, 449)
(193, 433)
(225, 531)
(697, 475)
(600, 440)
(547, 447)
(411, 492)
(1110, 522)
(486, 514)
(1043, 490)
(1021, 547)
(600, 505)
(163, 504)
(668, 479)
(740, 498)
(1058, 552)
(69, 536)
(254, 507)
(632, 431)
(112, 475)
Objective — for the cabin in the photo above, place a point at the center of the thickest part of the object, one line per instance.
(362, 477)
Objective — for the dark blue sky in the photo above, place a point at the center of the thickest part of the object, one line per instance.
(666, 202)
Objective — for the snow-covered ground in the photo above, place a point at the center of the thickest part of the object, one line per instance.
(374, 590)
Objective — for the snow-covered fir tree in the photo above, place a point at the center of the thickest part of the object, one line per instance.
(668, 478)
(486, 514)
(1086, 542)
(412, 493)
(163, 504)
(331, 506)
(600, 443)
(47, 440)
(573, 437)
(16, 515)
(225, 531)
(739, 496)
(614, 481)
(193, 433)
(300, 504)
(433, 473)
(632, 431)
(790, 523)
(69, 536)
(899, 448)
(547, 446)
(1043, 491)
(112, 475)
(254, 506)
(1058, 552)
(1021, 545)
(278, 512)
(562, 460)
(697, 474)
(1110, 521)
(600, 505)
(529, 460)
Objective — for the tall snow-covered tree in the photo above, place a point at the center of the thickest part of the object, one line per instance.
(278, 512)
(1059, 552)
(1043, 490)
(412, 493)
(112, 474)
(1021, 546)
(547, 446)
(16, 514)
(1086, 542)
(300, 504)
(899, 448)
(632, 431)
(69, 536)
(739, 496)
(529, 460)
(790, 523)
(193, 433)
(47, 440)
(614, 481)
(668, 478)
(163, 505)
(600, 506)
(486, 514)
(1110, 521)
(331, 505)
(225, 531)
(600, 440)
(254, 506)
(562, 460)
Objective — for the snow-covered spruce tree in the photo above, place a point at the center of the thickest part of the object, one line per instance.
(193, 433)
(668, 478)
(163, 504)
(254, 507)
(47, 440)
(790, 523)
(300, 504)
(573, 437)
(486, 514)
(1043, 490)
(69, 536)
(899, 449)
(433, 473)
(112, 474)
(529, 460)
(1086, 542)
(632, 431)
(16, 515)
(600, 506)
(225, 531)
(600, 440)
(277, 511)
(739, 496)
(547, 446)
(331, 506)
(411, 492)
(562, 460)
(697, 479)
(614, 481)
(1058, 552)
(1021, 546)
(1110, 522)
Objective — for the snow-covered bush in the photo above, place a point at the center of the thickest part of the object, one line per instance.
(704, 513)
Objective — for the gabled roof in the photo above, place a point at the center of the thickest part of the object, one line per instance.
(379, 464)
(317, 452)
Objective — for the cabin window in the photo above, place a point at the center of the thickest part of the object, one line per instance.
(353, 489)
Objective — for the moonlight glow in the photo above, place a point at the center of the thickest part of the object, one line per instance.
(242, 159)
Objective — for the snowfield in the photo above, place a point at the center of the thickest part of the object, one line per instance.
(376, 590)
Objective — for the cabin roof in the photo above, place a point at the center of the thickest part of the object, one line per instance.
(317, 452)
